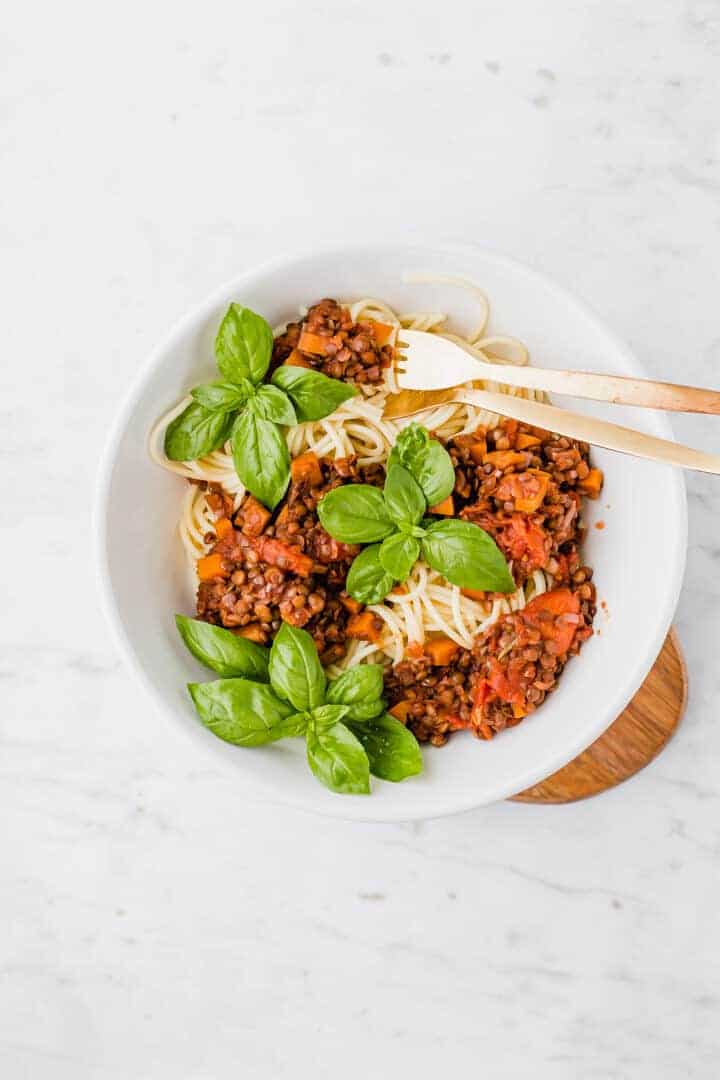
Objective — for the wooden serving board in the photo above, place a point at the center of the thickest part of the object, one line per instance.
(637, 736)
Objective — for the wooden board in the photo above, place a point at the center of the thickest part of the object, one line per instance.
(637, 736)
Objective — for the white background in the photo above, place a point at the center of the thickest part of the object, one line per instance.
(154, 924)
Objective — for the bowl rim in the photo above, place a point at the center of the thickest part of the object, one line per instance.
(362, 809)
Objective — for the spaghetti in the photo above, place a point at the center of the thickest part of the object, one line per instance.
(429, 604)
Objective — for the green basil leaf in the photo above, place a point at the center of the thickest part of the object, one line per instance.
(368, 580)
(243, 345)
(426, 460)
(295, 670)
(398, 554)
(223, 651)
(404, 497)
(392, 750)
(338, 760)
(366, 710)
(313, 394)
(467, 556)
(294, 725)
(239, 711)
(222, 397)
(261, 457)
(197, 431)
(361, 683)
(324, 716)
(355, 514)
(270, 403)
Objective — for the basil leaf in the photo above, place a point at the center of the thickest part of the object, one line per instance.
(313, 394)
(426, 460)
(243, 345)
(368, 581)
(292, 726)
(326, 715)
(261, 457)
(398, 554)
(295, 670)
(240, 712)
(361, 683)
(222, 397)
(392, 750)
(272, 404)
(196, 432)
(467, 556)
(366, 710)
(355, 514)
(338, 760)
(404, 497)
(223, 651)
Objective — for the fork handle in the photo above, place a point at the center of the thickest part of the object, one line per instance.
(617, 389)
(591, 430)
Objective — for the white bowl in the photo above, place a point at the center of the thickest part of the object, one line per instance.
(638, 557)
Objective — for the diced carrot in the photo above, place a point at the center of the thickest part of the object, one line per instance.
(400, 711)
(475, 594)
(296, 359)
(441, 650)
(223, 527)
(478, 450)
(211, 567)
(283, 515)
(524, 442)
(382, 333)
(366, 625)
(284, 556)
(519, 711)
(253, 632)
(351, 604)
(592, 484)
(312, 343)
(306, 468)
(556, 615)
(503, 459)
(254, 516)
(526, 489)
(446, 507)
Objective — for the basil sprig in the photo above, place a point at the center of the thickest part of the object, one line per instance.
(250, 412)
(420, 474)
(283, 692)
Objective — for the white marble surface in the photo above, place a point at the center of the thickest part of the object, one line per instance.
(154, 924)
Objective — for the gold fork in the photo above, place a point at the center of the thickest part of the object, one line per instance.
(559, 421)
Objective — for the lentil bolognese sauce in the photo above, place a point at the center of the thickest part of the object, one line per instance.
(268, 552)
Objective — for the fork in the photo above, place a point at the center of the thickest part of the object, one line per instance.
(440, 367)
(427, 356)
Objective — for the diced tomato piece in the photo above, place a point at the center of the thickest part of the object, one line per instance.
(276, 553)
(523, 539)
(556, 614)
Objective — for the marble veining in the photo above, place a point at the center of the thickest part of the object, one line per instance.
(155, 923)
